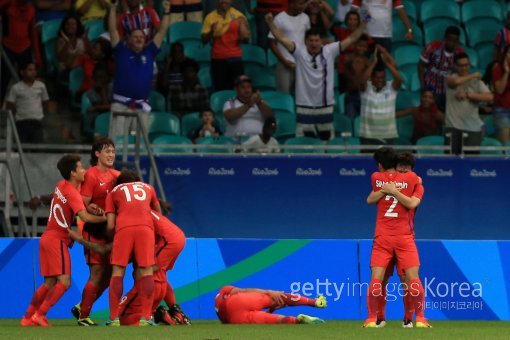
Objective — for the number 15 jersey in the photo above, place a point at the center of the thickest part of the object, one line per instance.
(392, 217)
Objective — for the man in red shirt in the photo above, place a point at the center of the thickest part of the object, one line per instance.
(128, 210)
(395, 195)
(57, 238)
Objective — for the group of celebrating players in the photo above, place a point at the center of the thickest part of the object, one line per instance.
(120, 221)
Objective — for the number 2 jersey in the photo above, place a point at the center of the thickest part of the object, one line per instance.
(66, 203)
(132, 203)
(392, 217)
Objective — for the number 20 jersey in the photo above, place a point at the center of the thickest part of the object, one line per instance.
(392, 217)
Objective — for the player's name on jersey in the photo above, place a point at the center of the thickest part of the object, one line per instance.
(399, 185)
(352, 172)
(308, 172)
(483, 173)
(60, 196)
(178, 171)
(221, 172)
(265, 172)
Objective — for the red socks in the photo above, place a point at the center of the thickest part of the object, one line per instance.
(297, 300)
(37, 299)
(408, 305)
(381, 309)
(88, 297)
(145, 287)
(116, 288)
(52, 297)
(289, 319)
(374, 297)
(169, 295)
(417, 296)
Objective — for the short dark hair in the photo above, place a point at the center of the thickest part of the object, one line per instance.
(461, 55)
(312, 31)
(127, 176)
(406, 159)
(452, 30)
(80, 30)
(201, 114)
(386, 156)
(269, 122)
(98, 145)
(68, 163)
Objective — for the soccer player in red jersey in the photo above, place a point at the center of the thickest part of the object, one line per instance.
(395, 196)
(405, 163)
(246, 306)
(57, 238)
(128, 211)
(100, 179)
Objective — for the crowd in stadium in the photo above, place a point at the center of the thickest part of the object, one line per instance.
(404, 71)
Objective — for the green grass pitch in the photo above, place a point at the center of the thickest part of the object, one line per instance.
(209, 330)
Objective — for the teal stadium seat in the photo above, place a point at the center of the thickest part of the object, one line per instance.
(345, 142)
(204, 77)
(489, 128)
(481, 9)
(86, 123)
(308, 144)
(202, 54)
(407, 58)
(95, 28)
(482, 32)
(434, 30)
(485, 55)
(49, 34)
(170, 139)
(229, 144)
(253, 54)
(342, 124)
(285, 127)
(185, 32)
(75, 81)
(405, 127)
(430, 141)
(435, 9)
(163, 123)
(219, 98)
(279, 101)
(415, 83)
(399, 34)
(264, 81)
(190, 122)
(407, 99)
(164, 50)
(473, 56)
(102, 124)
(271, 59)
(340, 104)
(356, 126)
(488, 141)
(157, 101)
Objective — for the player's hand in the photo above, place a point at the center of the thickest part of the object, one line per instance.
(94, 209)
(277, 297)
(389, 188)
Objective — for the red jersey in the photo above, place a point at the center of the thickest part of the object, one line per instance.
(98, 184)
(163, 227)
(66, 203)
(18, 27)
(502, 99)
(392, 217)
(221, 302)
(132, 203)
(418, 192)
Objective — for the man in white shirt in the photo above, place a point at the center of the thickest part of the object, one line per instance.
(263, 142)
(245, 114)
(293, 23)
(315, 66)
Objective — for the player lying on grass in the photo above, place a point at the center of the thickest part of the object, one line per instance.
(246, 306)
(58, 238)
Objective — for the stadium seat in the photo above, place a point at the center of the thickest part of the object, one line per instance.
(415, 83)
(403, 141)
(407, 57)
(95, 28)
(190, 122)
(340, 104)
(185, 32)
(219, 98)
(285, 126)
(102, 124)
(356, 126)
(488, 141)
(253, 54)
(204, 76)
(202, 54)
(485, 55)
(411, 10)
(482, 31)
(405, 127)
(434, 9)
(489, 128)
(434, 30)
(400, 31)
(163, 123)
(308, 144)
(264, 80)
(75, 81)
(281, 102)
(86, 123)
(345, 142)
(342, 124)
(407, 99)
(430, 141)
(481, 9)
(49, 34)
(220, 140)
(271, 59)
(170, 139)
(164, 50)
(473, 56)
(157, 101)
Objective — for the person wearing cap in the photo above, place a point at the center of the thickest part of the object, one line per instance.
(245, 114)
(315, 67)
(263, 142)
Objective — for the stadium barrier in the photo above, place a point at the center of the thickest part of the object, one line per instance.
(464, 280)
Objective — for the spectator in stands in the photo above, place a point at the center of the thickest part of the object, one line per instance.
(186, 10)
(321, 16)
(378, 100)
(263, 142)
(100, 55)
(464, 92)
(172, 72)
(343, 6)
(261, 9)
(100, 95)
(245, 114)
(293, 23)
(225, 28)
(51, 9)
(91, 9)
(20, 41)
(139, 17)
(436, 63)
(379, 17)
(26, 100)
(72, 43)
(355, 66)
(315, 65)
(502, 39)
(209, 126)
(134, 67)
(427, 117)
(501, 108)
(188, 96)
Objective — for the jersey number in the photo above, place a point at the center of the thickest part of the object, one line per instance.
(57, 212)
(139, 193)
(390, 212)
